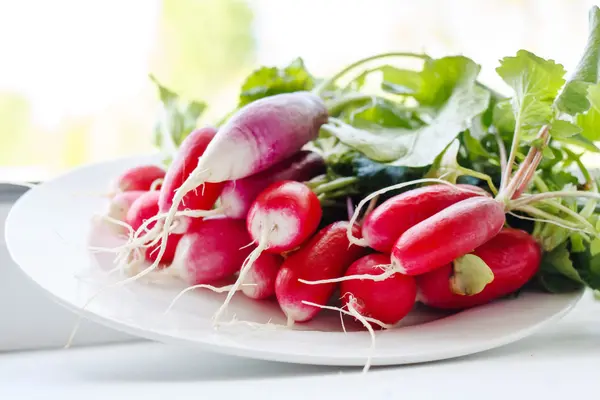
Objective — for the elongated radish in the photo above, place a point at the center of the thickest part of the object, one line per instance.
(326, 255)
(281, 218)
(119, 206)
(514, 258)
(142, 209)
(388, 300)
(215, 250)
(451, 233)
(258, 136)
(259, 283)
(191, 150)
(141, 177)
(237, 196)
(384, 225)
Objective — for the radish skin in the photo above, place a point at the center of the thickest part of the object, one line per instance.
(281, 218)
(260, 134)
(140, 178)
(238, 196)
(514, 258)
(384, 225)
(388, 300)
(259, 283)
(215, 250)
(141, 210)
(119, 207)
(326, 255)
(451, 233)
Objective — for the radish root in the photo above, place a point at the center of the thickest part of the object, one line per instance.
(388, 269)
(215, 289)
(246, 266)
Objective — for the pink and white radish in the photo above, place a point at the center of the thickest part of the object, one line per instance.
(143, 209)
(118, 208)
(238, 195)
(258, 136)
(259, 282)
(281, 218)
(215, 250)
(142, 177)
(388, 300)
(326, 255)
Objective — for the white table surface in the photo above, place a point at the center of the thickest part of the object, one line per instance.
(561, 362)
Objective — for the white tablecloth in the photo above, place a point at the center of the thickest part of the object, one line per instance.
(561, 362)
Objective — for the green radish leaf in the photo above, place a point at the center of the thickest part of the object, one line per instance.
(471, 275)
(557, 283)
(558, 260)
(446, 164)
(503, 117)
(400, 81)
(269, 81)
(579, 141)
(419, 147)
(573, 99)
(590, 121)
(177, 120)
(536, 83)
(474, 146)
(564, 129)
(380, 113)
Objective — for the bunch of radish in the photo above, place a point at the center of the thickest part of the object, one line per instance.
(234, 205)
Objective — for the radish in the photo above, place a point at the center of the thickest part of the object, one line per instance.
(326, 255)
(388, 300)
(188, 156)
(384, 225)
(143, 209)
(259, 283)
(215, 250)
(281, 218)
(258, 136)
(513, 256)
(142, 177)
(118, 207)
(237, 196)
(451, 233)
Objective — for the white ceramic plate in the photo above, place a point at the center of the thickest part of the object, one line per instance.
(49, 229)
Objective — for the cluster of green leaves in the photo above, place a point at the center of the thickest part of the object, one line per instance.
(440, 121)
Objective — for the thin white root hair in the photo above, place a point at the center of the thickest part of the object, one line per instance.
(332, 308)
(290, 321)
(549, 221)
(363, 242)
(215, 289)
(389, 271)
(367, 325)
(342, 323)
(246, 266)
(256, 325)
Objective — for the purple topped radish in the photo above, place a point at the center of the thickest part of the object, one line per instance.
(237, 196)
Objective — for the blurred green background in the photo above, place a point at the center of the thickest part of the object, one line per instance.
(74, 82)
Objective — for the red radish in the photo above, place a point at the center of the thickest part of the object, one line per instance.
(285, 214)
(142, 209)
(215, 250)
(139, 178)
(388, 300)
(384, 225)
(326, 255)
(281, 218)
(237, 196)
(188, 156)
(514, 258)
(451, 233)
(119, 206)
(258, 136)
(260, 280)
